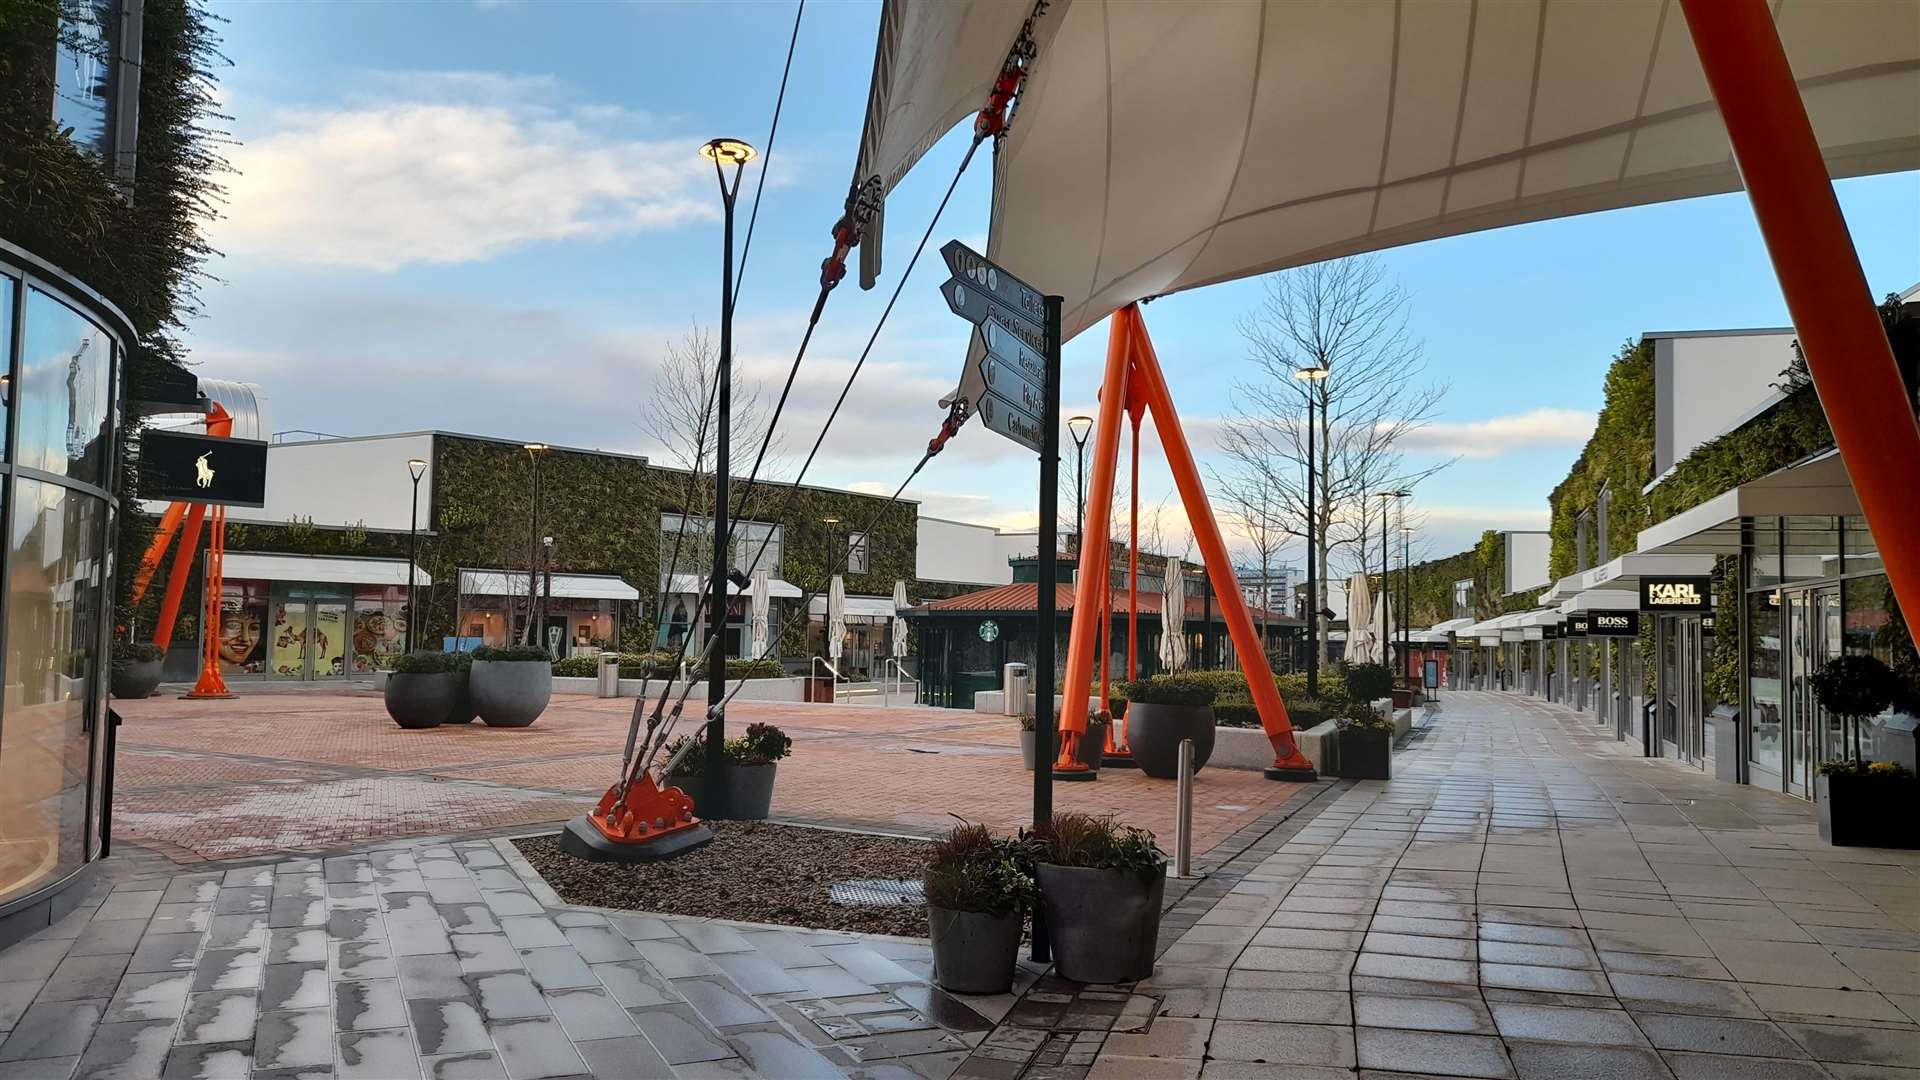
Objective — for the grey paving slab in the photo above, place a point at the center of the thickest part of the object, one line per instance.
(614, 1059)
(52, 1030)
(219, 1016)
(448, 1026)
(680, 1036)
(209, 1061)
(534, 1049)
(476, 1065)
(368, 1005)
(375, 1055)
(590, 1013)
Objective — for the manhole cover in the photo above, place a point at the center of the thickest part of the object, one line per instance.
(876, 892)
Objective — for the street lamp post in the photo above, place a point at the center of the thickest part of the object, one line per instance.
(546, 589)
(1386, 631)
(417, 468)
(1406, 589)
(1312, 376)
(1078, 427)
(722, 152)
(826, 581)
(534, 450)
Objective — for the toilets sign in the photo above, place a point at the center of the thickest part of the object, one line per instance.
(1676, 594)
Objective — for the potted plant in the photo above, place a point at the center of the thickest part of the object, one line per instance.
(978, 888)
(744, 789)
(1027, 740)
(460, 666)
(136, 669)
(1862, 803)
(420, 690)
(511, 684)
(1101, 884)
(1162, 711)
(1367, 683)
(1366, 744)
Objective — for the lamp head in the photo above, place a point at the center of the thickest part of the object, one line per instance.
(830, 521)
(1078, 426)
(1310, 374)
(534, 447)
(728, 152)
(416, 467)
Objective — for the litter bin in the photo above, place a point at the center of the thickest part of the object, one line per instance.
(609, 673)
(1018, 686)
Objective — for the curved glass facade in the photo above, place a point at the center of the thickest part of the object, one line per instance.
(60, 395)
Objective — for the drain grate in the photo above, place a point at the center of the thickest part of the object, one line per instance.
(876, 892)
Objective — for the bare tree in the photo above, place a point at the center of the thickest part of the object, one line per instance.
(1349, 319)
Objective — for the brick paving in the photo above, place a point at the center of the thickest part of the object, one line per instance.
(302, 773)
(1528, 899)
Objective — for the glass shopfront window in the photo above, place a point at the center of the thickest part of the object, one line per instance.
(243, 627)
(1810, 548)
(379, 627)
(1763, 680)
(1766, 553)
(52, 682)
(8, 287)
(66, 384)
(1857, 545)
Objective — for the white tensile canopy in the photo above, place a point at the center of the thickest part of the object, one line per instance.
(1159, 147)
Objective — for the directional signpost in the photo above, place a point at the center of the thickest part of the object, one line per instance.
(1012, 382)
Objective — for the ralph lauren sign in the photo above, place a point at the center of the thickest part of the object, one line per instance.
(184, 466)
(1614, 624)
(1665, 594)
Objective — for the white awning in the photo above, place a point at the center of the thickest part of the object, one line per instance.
(1602, 600)
(694, 584)
(1627, 570)
(330, 570)
(565, 586)
(1560, 590)
(1818, 486)
(1546, 617)
(858, 607)
(1451, 626)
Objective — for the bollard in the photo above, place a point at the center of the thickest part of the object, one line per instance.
(1183, 816)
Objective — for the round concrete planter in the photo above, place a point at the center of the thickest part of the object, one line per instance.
(1093, 746)
(1154, 733)
(745, 794)
(510, 693)
(1027, 739)
(462, 710)
(136, 680)
(973, 952)
(419, 701)
(1105, 924)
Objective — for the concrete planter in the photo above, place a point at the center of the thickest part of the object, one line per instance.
(136, 680)
(510, 693)
(745, 792)
(1366, 754)
(1028, 739)
(1105, 924)
(973, 952)
(1154, 733)
(1868, 811)
(419, 701)
(462, 711)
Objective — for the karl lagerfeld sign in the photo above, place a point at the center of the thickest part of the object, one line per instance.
(1614, 624)
(1664, 594)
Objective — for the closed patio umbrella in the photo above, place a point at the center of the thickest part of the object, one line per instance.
(899, 624)
(836, 618)
(1173, 619)
(1383, 628)
(1360, 639)
(757, 629)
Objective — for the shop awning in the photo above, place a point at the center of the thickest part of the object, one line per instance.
(1602, 600)
(565, 586)
(1451, 626)
(1818, 486)
(1626, 571)
(330, 570)
(865, 608)
(694, 584)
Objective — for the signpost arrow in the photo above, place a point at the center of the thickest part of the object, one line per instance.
(973, 267)
(1009, 419)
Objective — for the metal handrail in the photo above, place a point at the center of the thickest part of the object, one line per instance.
(822, 662)
(899, 672)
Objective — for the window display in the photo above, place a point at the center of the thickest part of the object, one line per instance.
(243, 628)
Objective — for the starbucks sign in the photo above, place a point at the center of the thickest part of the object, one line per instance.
(989, 630)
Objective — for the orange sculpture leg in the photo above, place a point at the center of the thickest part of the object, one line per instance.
(177, 577)
(1152, 385)
(1084, 637)
(1833, 313)
(211, 683)
(157, 548)
(632, 813)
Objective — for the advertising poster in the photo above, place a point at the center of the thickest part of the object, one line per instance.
(243, 638)
(290, 639)
(375, 634)
(329, 639)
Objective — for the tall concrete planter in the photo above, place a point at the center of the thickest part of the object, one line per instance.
(419, 701)
(745, 792)
(137, 679)
(974, 952)
(510, 693)
(1154, 733)
(462, 711)
(1105, 924)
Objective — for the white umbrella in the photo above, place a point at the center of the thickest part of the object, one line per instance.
(899, 624)
(836, 617)
(1383, 627)
(758, 627)
(1360, 639)
(1173, 619)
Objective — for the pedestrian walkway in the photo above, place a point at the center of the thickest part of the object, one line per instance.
(1526, 898)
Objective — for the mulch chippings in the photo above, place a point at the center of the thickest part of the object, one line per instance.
(753, 872)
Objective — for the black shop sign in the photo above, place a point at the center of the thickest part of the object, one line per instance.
(1614, 624)
(1708, 622)
(185, 466)
(1676, 594)
(1578, 626)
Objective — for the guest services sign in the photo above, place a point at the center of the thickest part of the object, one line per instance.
(1676, 594)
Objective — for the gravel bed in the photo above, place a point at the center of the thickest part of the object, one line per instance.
(752, 871)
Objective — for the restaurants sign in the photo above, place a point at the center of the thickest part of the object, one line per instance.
(185, 466)
(1664, 594)
(1614, 624)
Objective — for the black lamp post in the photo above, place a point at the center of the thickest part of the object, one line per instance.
(1078, 427)
(417, 468)
(1406, 590)
(1312, 376)
(1386, 629)
(534, 450)
(723, 153)
(546, 590)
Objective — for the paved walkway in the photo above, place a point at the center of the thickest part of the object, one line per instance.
(298, 773)
(1527, 898)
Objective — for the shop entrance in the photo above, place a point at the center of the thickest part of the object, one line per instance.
(1682, 713)
(309, 636)
(1813, 622)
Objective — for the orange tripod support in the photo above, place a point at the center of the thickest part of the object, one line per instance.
(191, 517)
(1133, 371)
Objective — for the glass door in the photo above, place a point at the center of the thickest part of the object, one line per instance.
(329, 636)
(1829, 630)
(1693, 718)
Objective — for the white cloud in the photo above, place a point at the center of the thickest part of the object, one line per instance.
(1500, 435)
(466, 166)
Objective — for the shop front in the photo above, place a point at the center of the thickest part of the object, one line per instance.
(576, 613)
(298, 618)
(866, 646)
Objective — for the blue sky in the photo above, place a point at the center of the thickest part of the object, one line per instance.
(491, 218)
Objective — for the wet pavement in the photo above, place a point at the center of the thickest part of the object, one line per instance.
(1527, 898)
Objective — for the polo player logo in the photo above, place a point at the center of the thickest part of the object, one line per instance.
(203, 472)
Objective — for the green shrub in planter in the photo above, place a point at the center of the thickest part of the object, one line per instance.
(136, 669)
(1101, 884)
(1164, 711)
(511, 653)
(1366, 744)
(1368, 682)
(1333, 688)
(510, 684)
(420, 690)
(978, 887)
(460, 665)
(1183, 688)
(748, 765)
(1862, 803)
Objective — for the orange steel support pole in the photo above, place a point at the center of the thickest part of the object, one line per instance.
(1833, 312)
(1084, 637)
(157, 549)
(211, 683)
(1213, 547)
(1134, 409)
(177, 578)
